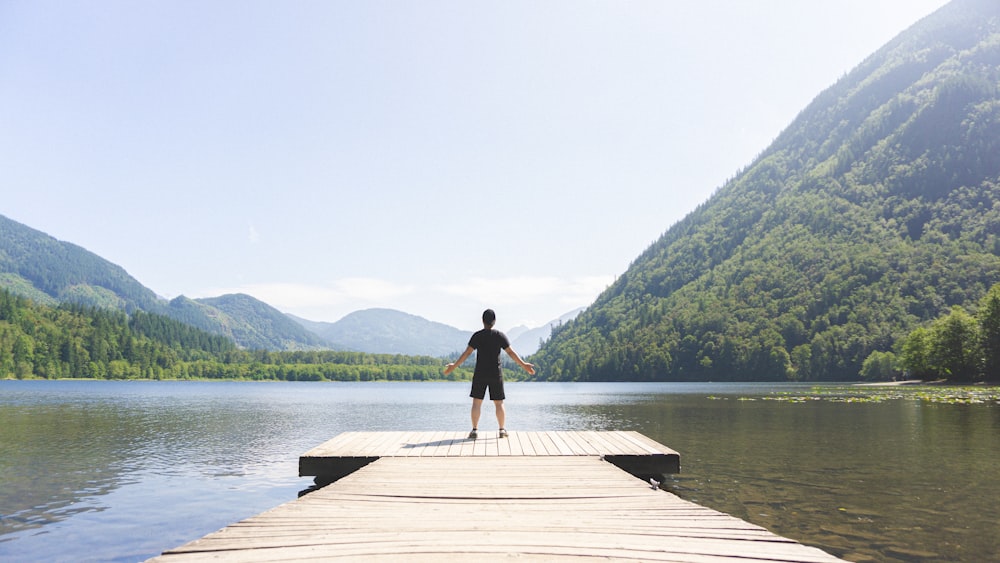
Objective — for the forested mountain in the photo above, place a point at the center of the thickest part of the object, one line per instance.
(387, 331)
(247, 320)
(872, 214)
(48, 271)
(51, 271)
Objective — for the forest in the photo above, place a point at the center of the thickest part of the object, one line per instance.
(77, 341)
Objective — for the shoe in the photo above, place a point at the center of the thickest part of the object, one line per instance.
(473, 435)
(503, 433)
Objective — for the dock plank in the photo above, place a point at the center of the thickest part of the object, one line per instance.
(515, 444)
(455, 449)
(631, 439)
(580, 446)
(503, 446)
(546, 440)
(537, 444)
(418, 443)
(590, 440)
(341, 443)
(449, 439)
(562, 446)
(527, 447)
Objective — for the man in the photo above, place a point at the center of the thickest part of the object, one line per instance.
(488, 375)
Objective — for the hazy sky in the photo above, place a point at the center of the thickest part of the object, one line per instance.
(432, 157)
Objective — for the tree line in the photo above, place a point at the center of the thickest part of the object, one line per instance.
(958, 346)
(77, 341)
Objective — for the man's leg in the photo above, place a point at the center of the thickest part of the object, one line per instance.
(477, 409)
(501, 414)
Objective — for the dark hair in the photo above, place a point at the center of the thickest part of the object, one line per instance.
(489, 317)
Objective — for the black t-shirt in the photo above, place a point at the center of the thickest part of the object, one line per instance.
(488, 343)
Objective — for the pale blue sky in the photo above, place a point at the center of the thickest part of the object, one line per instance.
(432, 157)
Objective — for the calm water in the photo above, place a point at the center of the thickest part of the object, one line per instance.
(120, 471)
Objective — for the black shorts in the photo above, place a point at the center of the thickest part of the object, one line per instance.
(495, 384)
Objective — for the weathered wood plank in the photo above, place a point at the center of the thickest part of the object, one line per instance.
(372, 441)
(526, 446)
(594, 442)
(427, 445)
(546, 440)
(580, 446)
(515, 444)
(632, 439)
(434, 446)
(606, 441)
(455, 449)
(537, 444)
(336, 446)
(503, 446)
(562, 446)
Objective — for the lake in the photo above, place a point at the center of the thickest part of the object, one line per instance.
(120, 471)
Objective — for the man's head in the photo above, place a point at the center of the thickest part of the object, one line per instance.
(489, 317)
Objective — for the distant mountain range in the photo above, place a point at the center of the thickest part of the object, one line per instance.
(48, 271)
(386, 331)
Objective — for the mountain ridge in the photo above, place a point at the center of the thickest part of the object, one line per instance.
(64, 271)
(388, 331)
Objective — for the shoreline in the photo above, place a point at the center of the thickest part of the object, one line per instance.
(899, 383)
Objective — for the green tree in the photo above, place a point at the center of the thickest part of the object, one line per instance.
(879, 366)
(954, 345)
(801, 357)
(916, 354)
(989, 333)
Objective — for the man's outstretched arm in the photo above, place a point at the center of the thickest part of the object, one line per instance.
(530, 368)
(461, 360)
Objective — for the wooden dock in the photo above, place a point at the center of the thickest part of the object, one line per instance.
(539, 496)
(350, 451)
